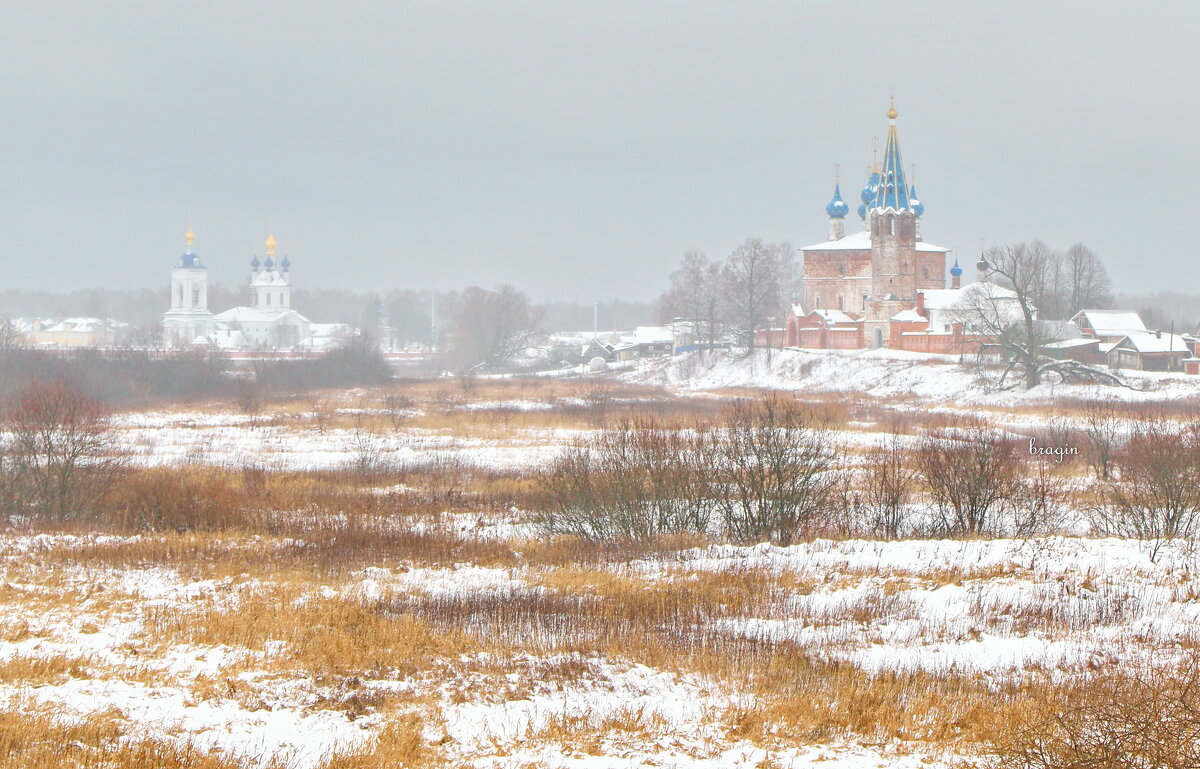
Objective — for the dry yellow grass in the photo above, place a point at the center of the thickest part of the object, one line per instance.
(32, 738)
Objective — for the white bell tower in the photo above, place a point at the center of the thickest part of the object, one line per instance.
(189, 316)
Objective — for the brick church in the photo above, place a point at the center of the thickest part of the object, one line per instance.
(856, 286)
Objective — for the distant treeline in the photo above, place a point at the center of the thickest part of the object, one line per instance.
(1162, 309)
(142, 378)
(404, 317)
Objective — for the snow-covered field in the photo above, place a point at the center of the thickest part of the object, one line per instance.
(216, 640)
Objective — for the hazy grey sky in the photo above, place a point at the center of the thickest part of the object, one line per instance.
(575, 149)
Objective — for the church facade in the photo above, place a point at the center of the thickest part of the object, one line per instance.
(866, 278)
(269, 323)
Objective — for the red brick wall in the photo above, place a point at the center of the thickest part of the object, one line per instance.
(824, 278)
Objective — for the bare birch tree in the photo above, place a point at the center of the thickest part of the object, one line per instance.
(751, 284)
(695, 296)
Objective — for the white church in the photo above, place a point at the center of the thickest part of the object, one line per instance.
(269, 324)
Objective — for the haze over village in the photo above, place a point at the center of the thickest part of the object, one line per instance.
(582, 385)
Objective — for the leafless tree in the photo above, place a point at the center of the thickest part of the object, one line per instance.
(11, 337)
(488, 328)
(1016, 335)
(776, 469)
(62, 446)
(1086, 279)
(694, 295)
(751, 285)
(972, 474)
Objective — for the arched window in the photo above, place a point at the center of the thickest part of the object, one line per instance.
(268, 296)
(925, 272)
(817, 302)
(841, 302)
(841, 269)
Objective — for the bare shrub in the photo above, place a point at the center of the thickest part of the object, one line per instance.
(319, 412)
(1124, 720)
(1102, 430)
(61, 448)
(398, 408)
(776, 470)
(1042, 502)
(248, 396)
(367, 450)
(598, 402)
(1154, 490)
(445, 479)
(888, 485)
(973, 477)
(636, 482)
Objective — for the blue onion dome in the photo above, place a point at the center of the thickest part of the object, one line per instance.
(286, 263)
(270, 263)
(862, 210)
(956, 271)
(914, 202)
(869, 191)
(254, 263)
(190, 260)
(837, 208)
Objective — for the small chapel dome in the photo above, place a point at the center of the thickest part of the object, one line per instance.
(837, 208)
(286, 263)
(871, 188)
(862, 210)
(254, 263)
(914, 202)
(190, 259)
(269, 263)
(956, 271)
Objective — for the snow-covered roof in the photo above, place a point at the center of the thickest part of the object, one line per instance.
(962, 298)
(255, 315)
(909, 315)
(861, 241)
(1081, 342)
(1112, 322)
(834, 317)
(653, 335)
(1153, 343)
(798, 310)
(79, 325)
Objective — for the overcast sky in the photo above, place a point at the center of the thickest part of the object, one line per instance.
(575, 149)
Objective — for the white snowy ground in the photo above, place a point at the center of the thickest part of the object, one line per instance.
(930, 383)
(171, 439)
(1003, 609)
(885, 373)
